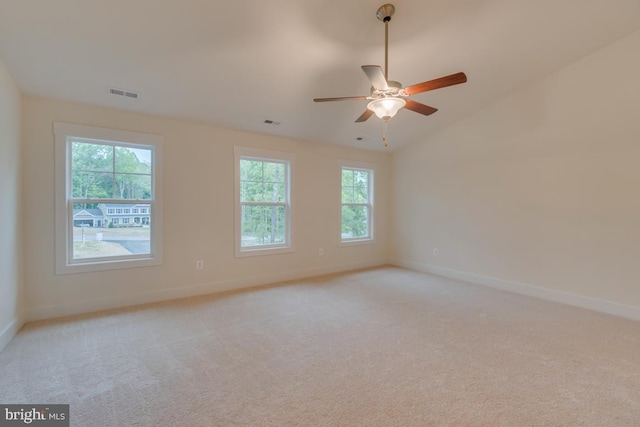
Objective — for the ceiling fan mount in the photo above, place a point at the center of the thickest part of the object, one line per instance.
(387, 97)
(385, 12)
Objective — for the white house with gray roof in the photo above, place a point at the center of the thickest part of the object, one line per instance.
(118, 214)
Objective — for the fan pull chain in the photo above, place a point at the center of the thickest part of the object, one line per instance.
(384, 134)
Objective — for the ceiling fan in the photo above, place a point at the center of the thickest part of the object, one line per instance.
(387, 96)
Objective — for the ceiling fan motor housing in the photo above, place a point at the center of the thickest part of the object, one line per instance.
(395, 89)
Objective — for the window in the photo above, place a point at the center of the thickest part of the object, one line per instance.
(96, 168)
(357, 203)
(263, 207)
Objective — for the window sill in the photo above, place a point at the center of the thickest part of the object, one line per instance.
(355, 242)
(89, 267)
(263, 251)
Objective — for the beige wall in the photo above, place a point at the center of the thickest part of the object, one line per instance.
(10, 208)
(198, 213)
(540, 188)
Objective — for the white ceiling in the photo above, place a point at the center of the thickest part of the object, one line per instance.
(239, 62)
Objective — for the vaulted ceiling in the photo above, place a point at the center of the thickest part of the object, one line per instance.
(238, 63)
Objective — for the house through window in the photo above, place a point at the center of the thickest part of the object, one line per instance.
(101, 175)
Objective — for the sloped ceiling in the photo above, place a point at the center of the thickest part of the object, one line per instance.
(237, 63)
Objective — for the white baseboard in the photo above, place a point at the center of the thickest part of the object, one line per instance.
(10, 331)
(595, 304)
(88, 306)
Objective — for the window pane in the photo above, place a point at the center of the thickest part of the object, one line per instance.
(347, 177)
(355, 221)
(360, 177)
(91, 157)
(268, 171)
(250, 170)
(133, 187)
(133, 160)
(98, 234)
(263, 225)
(347, 195)
(361, 192)
(273, 172)
(262, 181)
(90, 185)
(273, 192)
(251, 191)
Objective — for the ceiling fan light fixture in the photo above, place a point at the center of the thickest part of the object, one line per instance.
(386, 108)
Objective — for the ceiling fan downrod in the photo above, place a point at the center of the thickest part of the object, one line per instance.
(384, 14)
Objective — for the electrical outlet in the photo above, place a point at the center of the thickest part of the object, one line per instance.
(199, 265)
(321, 251)
(436, 251)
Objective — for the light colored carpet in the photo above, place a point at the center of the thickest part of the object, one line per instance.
(380, 347)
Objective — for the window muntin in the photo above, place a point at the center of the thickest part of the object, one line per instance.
(263, 188)
(101, 174)
(357, 204)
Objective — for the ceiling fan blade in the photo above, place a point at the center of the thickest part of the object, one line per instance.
(342, 98)
(450, 80)
(376, 76)
(363, 118)
(419, 108)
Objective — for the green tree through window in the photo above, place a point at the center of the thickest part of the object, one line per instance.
(356, 204)
(110, 172)
(263, 200)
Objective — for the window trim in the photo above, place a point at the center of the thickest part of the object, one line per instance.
(63, 213)
(239, 153)
(371, 168)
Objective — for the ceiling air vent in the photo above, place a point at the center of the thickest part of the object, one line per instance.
(125, 93)
(272, 122)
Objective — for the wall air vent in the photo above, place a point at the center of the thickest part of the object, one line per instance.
(125, 93)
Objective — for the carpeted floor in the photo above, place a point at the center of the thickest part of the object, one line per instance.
(379, 347)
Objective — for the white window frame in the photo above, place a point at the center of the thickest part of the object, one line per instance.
(264, 155)
(371, 169)
(65, 264)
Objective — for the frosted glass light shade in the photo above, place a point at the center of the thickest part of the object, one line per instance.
(385, 108)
